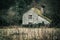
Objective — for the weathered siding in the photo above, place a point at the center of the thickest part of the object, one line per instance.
(35, 18)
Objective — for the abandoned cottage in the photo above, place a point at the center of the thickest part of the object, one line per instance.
(34, 16)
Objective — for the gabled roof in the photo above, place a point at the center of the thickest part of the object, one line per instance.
(36, 10)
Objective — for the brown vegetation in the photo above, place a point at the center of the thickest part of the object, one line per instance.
(29, 33)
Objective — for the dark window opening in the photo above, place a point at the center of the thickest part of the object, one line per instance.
(30, 16)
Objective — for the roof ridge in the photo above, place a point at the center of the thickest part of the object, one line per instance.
(40, 14)
(45, 18)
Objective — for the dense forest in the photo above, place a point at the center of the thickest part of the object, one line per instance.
(51, 8)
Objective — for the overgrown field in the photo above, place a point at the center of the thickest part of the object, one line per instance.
(30, 34)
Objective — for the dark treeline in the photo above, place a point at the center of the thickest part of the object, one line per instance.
(7, 19)
(51, 11)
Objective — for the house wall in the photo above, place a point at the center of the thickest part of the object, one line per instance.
(35, 18)
(40, 20)
(26, 20)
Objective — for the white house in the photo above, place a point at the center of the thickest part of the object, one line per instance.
(34, 16)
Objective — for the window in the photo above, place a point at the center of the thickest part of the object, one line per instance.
(30, 16)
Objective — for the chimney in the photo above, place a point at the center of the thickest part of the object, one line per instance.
(43, 8)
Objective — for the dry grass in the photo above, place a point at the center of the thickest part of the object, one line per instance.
(28, 33)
